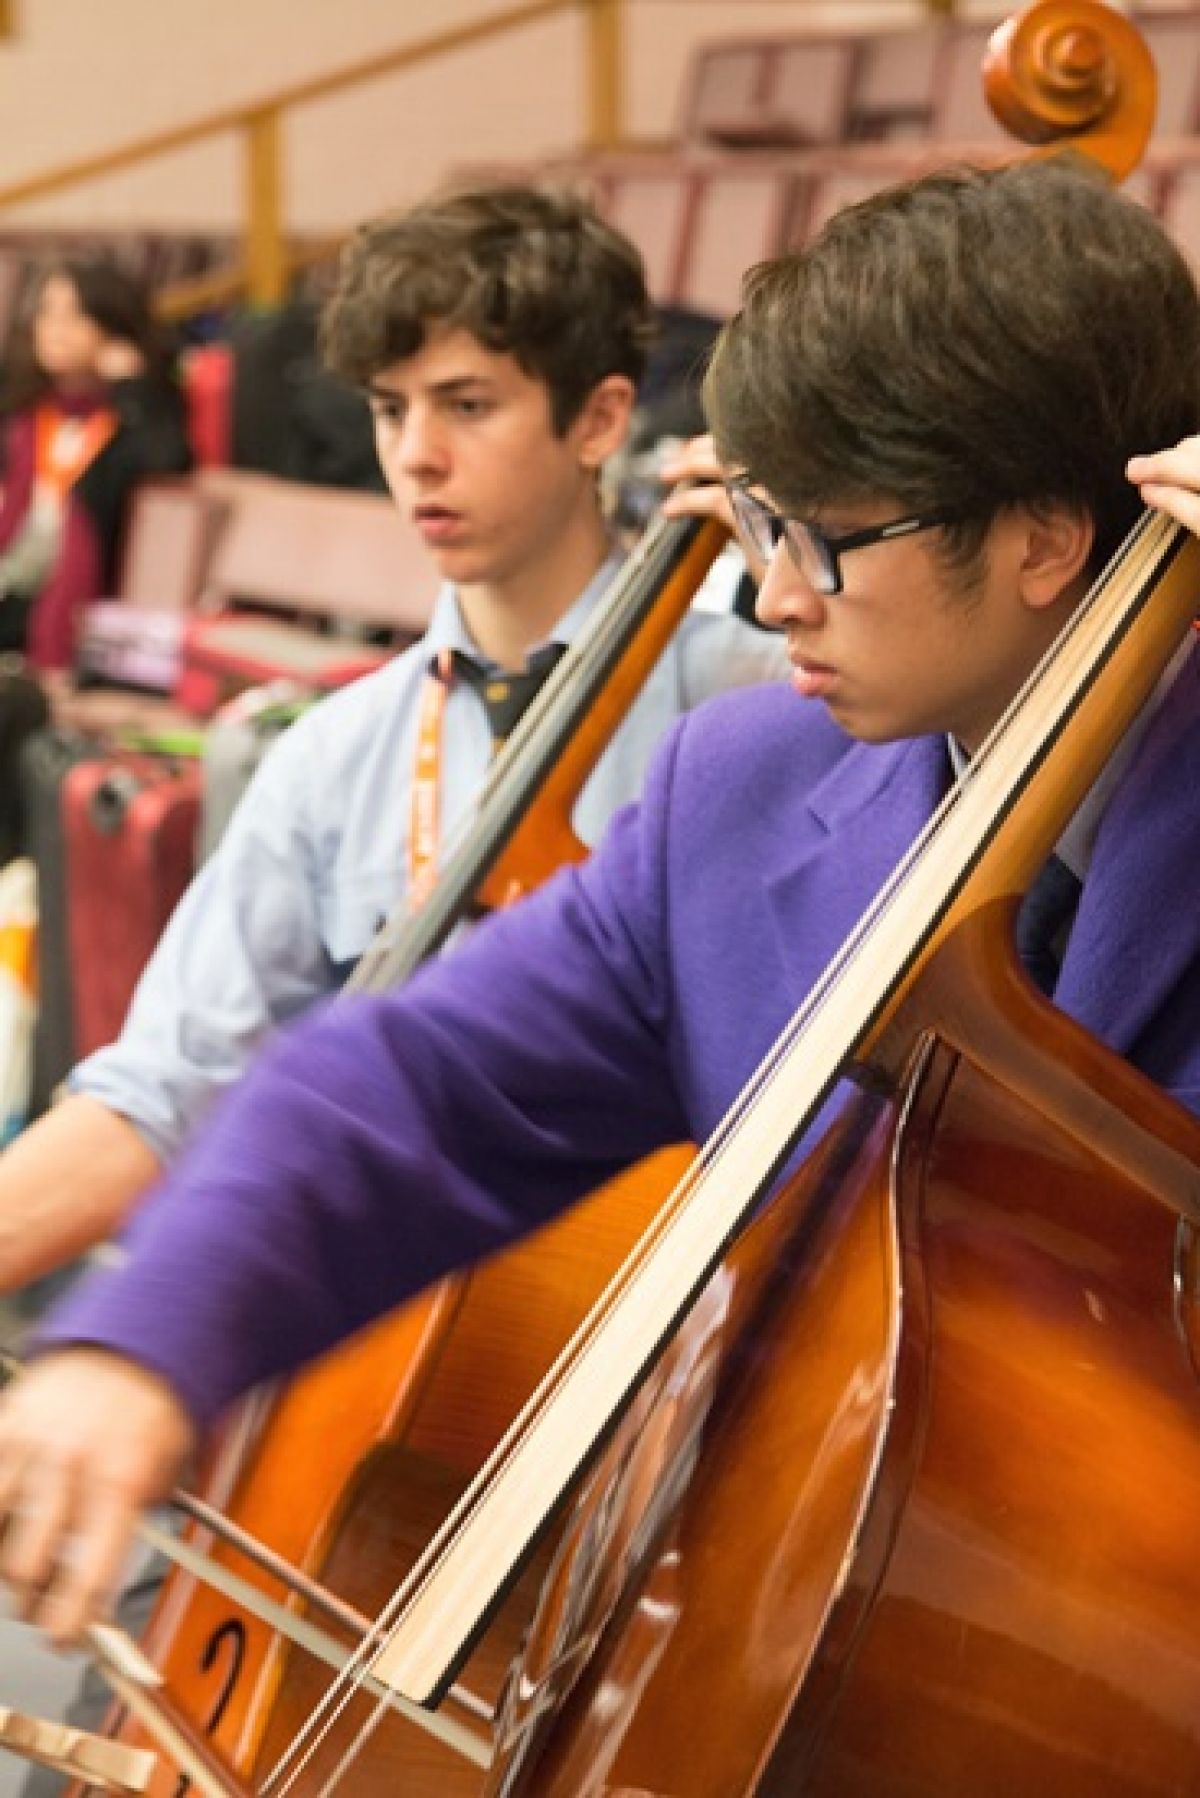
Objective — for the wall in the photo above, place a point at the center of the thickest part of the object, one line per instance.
(79, 76)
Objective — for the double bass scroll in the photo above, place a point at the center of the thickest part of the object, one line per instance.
(1074, 72)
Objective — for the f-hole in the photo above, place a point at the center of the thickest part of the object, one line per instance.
(232, 1631)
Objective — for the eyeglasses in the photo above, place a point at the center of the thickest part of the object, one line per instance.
(816, 554)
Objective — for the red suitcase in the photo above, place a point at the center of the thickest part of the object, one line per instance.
(46, 760)
(129, 827)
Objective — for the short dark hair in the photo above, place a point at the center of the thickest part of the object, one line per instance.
(972, 341)
(532, 272)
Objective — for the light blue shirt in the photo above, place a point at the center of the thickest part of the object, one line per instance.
(317, 854)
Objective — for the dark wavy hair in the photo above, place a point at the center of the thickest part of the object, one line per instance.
(532, 272)
(970, 342)
(115, 301)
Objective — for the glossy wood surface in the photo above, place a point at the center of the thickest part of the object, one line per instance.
(983, 1385)
(1038, 1626)
(725, 1511)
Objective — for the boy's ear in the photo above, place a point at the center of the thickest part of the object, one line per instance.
(603, 421)
(1058, 542)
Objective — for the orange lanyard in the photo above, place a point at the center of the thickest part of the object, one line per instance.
(64, 446)
(425, 803)
(505, 698)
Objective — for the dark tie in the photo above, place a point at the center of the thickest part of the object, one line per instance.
(1044, 922)
(506, 696)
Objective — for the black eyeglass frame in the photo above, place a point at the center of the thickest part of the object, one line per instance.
(807, 543)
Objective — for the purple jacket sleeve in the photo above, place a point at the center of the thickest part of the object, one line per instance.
(390, 1139)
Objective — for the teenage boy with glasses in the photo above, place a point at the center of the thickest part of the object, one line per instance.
(995, 346)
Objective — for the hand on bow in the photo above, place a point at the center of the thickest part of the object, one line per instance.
(87, 1440)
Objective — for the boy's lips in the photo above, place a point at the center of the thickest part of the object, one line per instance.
(812, 680)
(437, 524)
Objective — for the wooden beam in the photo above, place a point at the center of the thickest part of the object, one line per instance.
(604, 108)
(265, 254)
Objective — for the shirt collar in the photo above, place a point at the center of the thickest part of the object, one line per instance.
(1074, 847)
(447, 627)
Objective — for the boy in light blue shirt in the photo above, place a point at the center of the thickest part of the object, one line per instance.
(499, 334)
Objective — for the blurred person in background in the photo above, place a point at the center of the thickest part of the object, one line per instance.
(90, 410)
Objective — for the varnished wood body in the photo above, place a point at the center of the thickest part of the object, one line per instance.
(939, 1539)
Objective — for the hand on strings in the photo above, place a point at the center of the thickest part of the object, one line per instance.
(699, 489)
(87, 1440)
(1170, 482)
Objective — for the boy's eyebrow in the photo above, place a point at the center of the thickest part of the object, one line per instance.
(449, 387)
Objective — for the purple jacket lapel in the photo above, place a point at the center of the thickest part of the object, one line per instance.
(854, 827)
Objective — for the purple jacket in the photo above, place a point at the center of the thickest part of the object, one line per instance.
(387, 1140)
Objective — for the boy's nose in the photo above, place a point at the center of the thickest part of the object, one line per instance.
(785, 597)
(419, 444)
